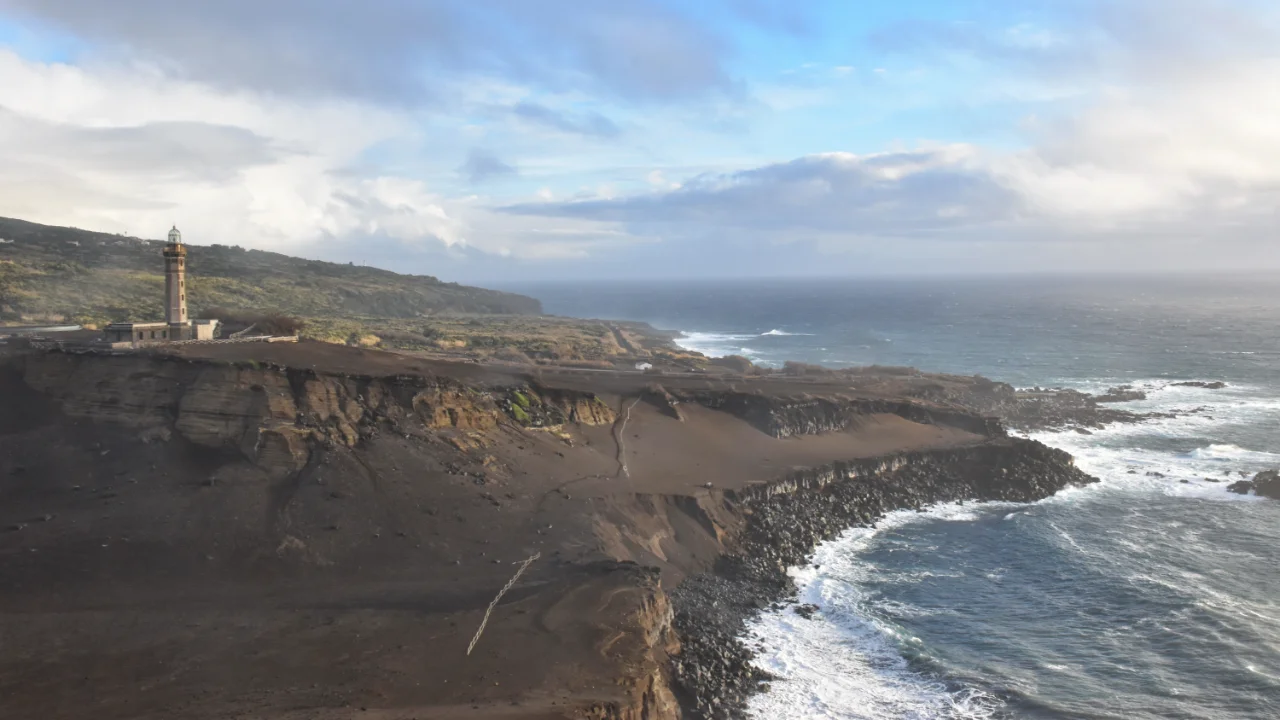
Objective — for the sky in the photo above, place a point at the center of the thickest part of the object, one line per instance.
(516, 140)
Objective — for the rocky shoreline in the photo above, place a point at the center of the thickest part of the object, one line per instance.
(713, 675)
(1264, 484)
(1036, 409)
(665, 516)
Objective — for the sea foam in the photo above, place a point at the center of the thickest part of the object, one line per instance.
(848, 662)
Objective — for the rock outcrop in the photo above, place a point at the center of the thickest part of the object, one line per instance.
(378, 493)
(1123, 393)
(1264, 484)
(788, 417)
(275, 417)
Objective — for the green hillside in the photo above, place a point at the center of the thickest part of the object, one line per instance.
(54, 273)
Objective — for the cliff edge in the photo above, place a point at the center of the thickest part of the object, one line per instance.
(318, 531)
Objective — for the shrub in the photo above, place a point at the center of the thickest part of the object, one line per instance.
(512, 355)
(520, 415)
(736, 363)
(396, 338)
(792, 367)
(270, 323)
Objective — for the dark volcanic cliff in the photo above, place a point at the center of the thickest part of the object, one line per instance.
(247, 538)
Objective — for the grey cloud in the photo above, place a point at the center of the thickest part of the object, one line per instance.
(1147, 38)
(592, 123)
(482, 165)
(900, 193)
(395, 50)
(197, 151)
(423, 256)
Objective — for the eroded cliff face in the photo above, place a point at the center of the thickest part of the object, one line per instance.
(649, 635)
(726, 553)
(276, 417)
(367, 474)
(784, 417)
(777, 526)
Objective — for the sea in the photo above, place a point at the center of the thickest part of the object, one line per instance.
(1152, 594)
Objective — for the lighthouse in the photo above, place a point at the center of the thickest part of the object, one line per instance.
(176, 326)
(175, 287)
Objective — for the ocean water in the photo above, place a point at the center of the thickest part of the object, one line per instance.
(1153, 594)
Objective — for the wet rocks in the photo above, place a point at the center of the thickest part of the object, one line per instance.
(714, 674)
(1038, 408)
(1215, 385)
(806, 610)
(1264, 484)
(1123, 393)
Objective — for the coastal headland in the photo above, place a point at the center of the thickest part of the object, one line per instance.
(313, 530)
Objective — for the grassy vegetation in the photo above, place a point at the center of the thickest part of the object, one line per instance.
(519, 339)
(520, 414)
(94, 278)
(64, 274)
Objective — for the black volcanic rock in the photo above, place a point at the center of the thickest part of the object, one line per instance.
(713, 674)
(1124, 393)
(1264, 484)
(1215, 385)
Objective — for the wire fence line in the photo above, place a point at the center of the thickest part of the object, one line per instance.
(485, 621)
(622, 441)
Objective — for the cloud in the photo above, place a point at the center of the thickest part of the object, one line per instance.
(1153, 152)
(591, 123)
(301, 125)
(482, 165)
(174, 150)
(895, 193)
(401, 52)
(128, 151)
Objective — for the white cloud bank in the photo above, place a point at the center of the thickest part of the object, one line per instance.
(1164, 158)
(129, 149)
(1177, 141)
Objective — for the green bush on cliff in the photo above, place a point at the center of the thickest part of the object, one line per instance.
(520, 415)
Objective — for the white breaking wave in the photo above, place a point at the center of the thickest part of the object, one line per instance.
(783, 333)
(712, 344)
(846, 663)
(720, 344)
(1116, 455)
(1233, 454)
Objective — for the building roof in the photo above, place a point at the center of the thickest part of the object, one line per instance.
(136, 326)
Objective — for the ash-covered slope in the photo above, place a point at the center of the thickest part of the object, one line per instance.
(318, 529)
